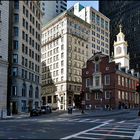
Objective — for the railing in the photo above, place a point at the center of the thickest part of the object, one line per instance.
(96, 87)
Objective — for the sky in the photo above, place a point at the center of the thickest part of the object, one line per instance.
(93, 3)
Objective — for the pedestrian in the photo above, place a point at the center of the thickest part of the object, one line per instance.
(107, 106)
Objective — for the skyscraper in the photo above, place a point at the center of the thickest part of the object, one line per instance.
(126, 13)
(52, 8)
(24, 56)
(4, 27)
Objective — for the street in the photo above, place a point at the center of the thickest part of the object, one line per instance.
(121, 126)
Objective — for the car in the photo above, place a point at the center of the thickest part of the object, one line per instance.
(35, 112)
(46, 109)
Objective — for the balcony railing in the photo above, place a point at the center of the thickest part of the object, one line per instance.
(100, 87)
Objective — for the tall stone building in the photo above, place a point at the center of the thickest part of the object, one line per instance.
(4, 27)
(24, 56)
(126, 13)
(52, 8)
(65, 43)
(100, 28)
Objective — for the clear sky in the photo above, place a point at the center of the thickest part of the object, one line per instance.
(93, 3)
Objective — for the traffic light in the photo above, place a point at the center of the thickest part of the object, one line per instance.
(138, 87)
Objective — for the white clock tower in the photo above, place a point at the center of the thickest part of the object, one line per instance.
(120, 50)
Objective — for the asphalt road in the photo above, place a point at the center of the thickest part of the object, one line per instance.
(122, 126)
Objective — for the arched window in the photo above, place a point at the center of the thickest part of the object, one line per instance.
(36, 92)
(31, 91)
(24, 90)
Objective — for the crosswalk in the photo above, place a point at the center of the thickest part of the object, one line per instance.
(77, 120)
(114, 130)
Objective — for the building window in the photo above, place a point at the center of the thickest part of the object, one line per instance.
(55, 99)
(96, 67)
(14, 90)
(126, 82)
(97, 96)
(49, 99)
(16, 4)
(119, 94)
(23, 105)
(97, 19)
(15, 31)
(62, 100)
(62, 71)
(16, 18)
(37, 93)
(62, 47)
(62, 78)
(15, 58)
(123, 95)
(106, 25)
(97, 80)
(14, 71)
(126, 95)
(62, 63)
(24, 10)
(122, 81)
(15, 43)
(107, 79)
(87, 96)
(107, 94)
(30, 91)
(36, 104)
(24, 90)
(119, 80)
(87, 82)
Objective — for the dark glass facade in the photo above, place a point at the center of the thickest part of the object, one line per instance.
(126, 13)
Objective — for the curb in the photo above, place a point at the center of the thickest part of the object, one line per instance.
(88, 114)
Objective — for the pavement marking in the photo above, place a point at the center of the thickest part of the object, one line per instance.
(112, 135)
(108, 121)
(115, 131)
(76, 134)
(84, 120)
(105, 128)
(85, 138)
(137, 134)
(121, 122)
(95, 120)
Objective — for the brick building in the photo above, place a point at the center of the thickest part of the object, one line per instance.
(108, 82)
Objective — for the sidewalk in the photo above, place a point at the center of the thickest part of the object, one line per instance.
(95, 113)
(75, 113)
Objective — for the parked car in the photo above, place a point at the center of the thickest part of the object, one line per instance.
(35, 112)
(46, 109)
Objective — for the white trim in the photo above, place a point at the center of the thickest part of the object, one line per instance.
(83, 132)
(137, 134)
